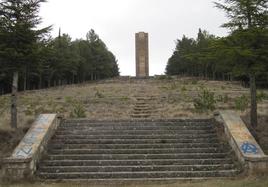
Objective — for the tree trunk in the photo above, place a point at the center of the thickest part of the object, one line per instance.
(14, 100)
(73, 78)
(253, 108)
(48, 82)
(40, 82)
(25, 81)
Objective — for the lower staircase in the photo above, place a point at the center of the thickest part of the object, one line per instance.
(136, 150)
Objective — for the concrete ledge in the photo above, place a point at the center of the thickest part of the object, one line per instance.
(133, 120)
(22, 163)
(243, 143)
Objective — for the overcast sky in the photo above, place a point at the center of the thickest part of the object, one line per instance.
(117, 21)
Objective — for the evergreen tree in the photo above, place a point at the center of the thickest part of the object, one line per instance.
(248, 19)
(18, 38)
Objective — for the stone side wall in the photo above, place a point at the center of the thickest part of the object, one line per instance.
(142, 55)
(248, 151)
(22, 163)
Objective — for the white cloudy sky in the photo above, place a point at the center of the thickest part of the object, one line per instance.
(117, 21)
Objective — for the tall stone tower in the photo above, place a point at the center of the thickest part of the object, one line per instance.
(142, 55)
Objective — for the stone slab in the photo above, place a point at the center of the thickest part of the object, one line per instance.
(22, 163)
(32, 140)
(244, 144)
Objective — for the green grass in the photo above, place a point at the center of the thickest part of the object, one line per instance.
(247, 182)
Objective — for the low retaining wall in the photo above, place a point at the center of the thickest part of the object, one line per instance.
(22, 163)
(243, 143)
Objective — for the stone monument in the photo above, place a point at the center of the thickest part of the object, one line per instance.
(142, 55)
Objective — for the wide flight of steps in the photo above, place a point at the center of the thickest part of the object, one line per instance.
(141, 150)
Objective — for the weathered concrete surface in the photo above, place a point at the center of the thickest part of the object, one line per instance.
(244, 144)
(142, 55)
(22, 163)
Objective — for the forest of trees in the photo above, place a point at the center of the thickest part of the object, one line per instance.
(42, 61)
(237, 56)
(219, 58)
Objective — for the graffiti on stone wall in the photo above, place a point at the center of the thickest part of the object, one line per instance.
(249, 148)
(25, 149)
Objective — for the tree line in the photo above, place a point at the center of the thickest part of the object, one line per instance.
(42, 61)
(221, 58)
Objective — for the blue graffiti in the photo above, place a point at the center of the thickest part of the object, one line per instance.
(249, 148)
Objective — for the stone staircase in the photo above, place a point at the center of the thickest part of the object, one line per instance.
(143, 107)
(136, 150)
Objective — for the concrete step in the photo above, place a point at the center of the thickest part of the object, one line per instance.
(206, 146)
(135, 123)
(182, 151)
(134, 141)
(143, 174)
(136, 126)
(158, 121)
(142, 108)
(64, 169)
(140, 116)
(162, 136)
(147, 150)
(132, 162)
(128, 155)
(141, 112)
(144, 98)
(133, 132)
(143, 102)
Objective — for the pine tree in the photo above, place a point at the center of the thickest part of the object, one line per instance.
(18, 38)
(247, 18)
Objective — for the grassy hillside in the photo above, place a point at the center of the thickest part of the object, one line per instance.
(115, 99)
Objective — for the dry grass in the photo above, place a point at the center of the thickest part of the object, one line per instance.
(113, 99)
(247, 182)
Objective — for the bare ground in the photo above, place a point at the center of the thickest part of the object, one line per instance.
(244, 182)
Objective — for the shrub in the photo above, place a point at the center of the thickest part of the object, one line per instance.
(205, 101)
(173, 86)
(222, 98)
(183, 89)
(78, 111)
(68, 99)
(98, 94)
(164, 77)
(241, 103)
(261, 96)
(194, 82)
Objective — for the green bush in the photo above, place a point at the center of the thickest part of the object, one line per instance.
(183, 89)
(194, 82)
(205, 101)
(261, 96)
(99, 95)
(241, 103)
(224, 99)
(68, 99)
(78, 111)
(164, 77)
